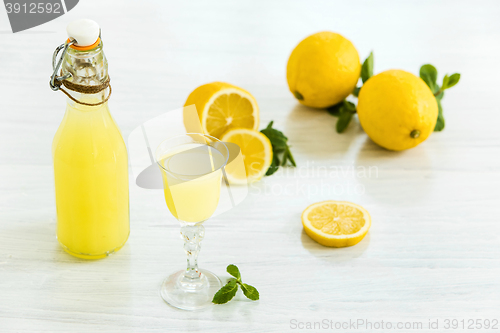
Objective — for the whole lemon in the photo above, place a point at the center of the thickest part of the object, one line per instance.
(397, 109)
(323, 69)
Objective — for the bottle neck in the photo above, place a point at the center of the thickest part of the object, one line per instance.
(88, 72)
(88, 68)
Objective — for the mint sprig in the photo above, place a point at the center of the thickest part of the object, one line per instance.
(429, 74)
(227, 292)
(281, 149)
(367, 68)
(345, 109)
(366, 73)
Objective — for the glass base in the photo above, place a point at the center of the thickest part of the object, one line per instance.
(189, 294)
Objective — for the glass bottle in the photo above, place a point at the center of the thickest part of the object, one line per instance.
(90, 156)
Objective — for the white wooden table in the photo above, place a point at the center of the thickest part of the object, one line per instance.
(432, 252)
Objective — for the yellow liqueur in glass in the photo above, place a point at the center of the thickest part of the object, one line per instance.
(192, 167)
(192, 185)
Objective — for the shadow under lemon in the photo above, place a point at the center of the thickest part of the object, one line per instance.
(381, 172)
(334, 254)
(394, 177)
(312, 132)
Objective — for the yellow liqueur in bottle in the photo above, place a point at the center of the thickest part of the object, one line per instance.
(89, 154)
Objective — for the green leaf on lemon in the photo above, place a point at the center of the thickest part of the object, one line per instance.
(277, 138)
(440, 120)
(367, 68)
(452, 80)
(428, 73)
(346, 111)
(356, 90)
(279, 142)
(446, 79)
(439, 96)
(335, 109)
(343, 122)
(275, 164)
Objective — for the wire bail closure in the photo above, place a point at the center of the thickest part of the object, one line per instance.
(64, 47)
(57, 81)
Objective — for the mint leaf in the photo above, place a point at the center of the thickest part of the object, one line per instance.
(344, 120)
(366, 72)
(350, 106)
(446, 79)
(226, 293)
(277, 138)
(367, 68)
(356, 90)
(275, 164)
(234, 271)
(347, 110)
(289, 156)
(281, 148)
(250, 292)
(450, 81)
(453, 80)
(440, 120)
(440, 95)
(334, 110)
(428, 73)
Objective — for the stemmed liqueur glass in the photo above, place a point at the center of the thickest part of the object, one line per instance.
(192, 167)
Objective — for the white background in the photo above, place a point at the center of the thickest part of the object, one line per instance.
(433, 249)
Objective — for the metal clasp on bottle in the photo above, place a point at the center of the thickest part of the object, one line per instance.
(64, 47)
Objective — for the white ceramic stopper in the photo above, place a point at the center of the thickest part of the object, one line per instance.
(85, 32)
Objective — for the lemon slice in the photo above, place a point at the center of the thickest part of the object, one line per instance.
(256, 151)
(222, 106)
(336, 223)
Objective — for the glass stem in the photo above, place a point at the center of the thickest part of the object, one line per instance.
(192, 236)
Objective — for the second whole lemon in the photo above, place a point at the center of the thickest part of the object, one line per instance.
(323, 69)
(397, 109)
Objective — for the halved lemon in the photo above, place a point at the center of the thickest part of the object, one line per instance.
(222, 106)
(336, 223)
(256, 152)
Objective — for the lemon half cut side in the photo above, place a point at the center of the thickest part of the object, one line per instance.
(256, 151)
(336, 223)
(222, 106)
